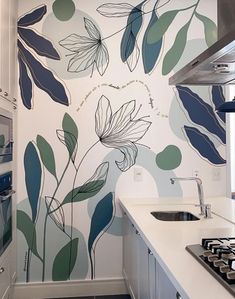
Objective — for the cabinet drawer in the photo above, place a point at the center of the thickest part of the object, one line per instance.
(4, 279)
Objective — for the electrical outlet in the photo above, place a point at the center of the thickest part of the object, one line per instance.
(216, 174)
(138, 174)
(195, 173)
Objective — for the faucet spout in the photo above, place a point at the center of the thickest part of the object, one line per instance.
(199, 188)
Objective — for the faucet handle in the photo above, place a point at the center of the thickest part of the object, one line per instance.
(207, 209)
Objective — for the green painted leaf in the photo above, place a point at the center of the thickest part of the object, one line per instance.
(173, 55)
(69, 135)
(210, 29)
(84, 192)
(33, 174)
(27, 227)
(70, 126)
(160, 26)
(100, 219)
(64, 261)
(170, 158)
(47, 155)
(91, 187)
(69, 141)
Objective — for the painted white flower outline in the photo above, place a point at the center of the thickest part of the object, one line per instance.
(120, 130)
(88, 51)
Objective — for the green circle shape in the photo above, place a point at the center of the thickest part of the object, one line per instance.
(170, 158)
(63, 9)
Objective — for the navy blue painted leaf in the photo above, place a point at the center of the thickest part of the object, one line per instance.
(32, 17)
(44, 78)
(101, 218)
(40, 44)
(200, 112)
(203, 145)
(25, 84)
(33, 177)
(134, 22)
(218, 99)
(150, 51)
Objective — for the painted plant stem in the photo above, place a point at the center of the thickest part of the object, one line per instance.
(72, 202)
(45, 222)
(28, 264)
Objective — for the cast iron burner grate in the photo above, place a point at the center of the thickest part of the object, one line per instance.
(217, 255)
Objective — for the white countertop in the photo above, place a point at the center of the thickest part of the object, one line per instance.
(167, 240)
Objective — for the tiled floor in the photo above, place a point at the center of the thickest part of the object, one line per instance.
(100, 297)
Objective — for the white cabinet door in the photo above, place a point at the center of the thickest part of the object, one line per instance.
(4, 279)
(143, 268)
(12, 48)
(165, 288)
(144, 276)
(5, 42)
(152, 276)
(135, 261)
(130, 257)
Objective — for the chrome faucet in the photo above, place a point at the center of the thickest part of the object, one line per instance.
(204, 209)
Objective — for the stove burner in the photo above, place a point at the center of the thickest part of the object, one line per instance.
(217, 255)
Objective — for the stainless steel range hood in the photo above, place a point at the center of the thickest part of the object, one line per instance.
(216, 65)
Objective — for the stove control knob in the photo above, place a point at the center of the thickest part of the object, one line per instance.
(231, 262)
(178, 296)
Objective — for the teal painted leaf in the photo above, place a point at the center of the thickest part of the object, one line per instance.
(129, 47)
(150, 51)
(101, 218)
(91, 187)
(64, 261)
(47, 155)
(159, 26)
(33, 176)
(27, 227)
(174, 54)
(210, 29)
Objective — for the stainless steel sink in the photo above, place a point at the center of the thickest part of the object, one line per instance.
(174, 216)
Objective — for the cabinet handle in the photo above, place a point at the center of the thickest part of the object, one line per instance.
(14, 100)
(2, 270)
(5, 94)
(137, 233)
(178, 296)
(14, 107)
(150, 252)
(5, 197)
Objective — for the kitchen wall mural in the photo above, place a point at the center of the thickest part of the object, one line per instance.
(97, 108)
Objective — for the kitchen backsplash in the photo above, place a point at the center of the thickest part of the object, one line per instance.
(98, 120)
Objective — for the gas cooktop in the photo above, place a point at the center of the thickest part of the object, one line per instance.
(217, 255)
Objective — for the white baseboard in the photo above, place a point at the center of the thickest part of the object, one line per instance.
(70, 289)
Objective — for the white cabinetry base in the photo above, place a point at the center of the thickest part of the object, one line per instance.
(70, 289)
